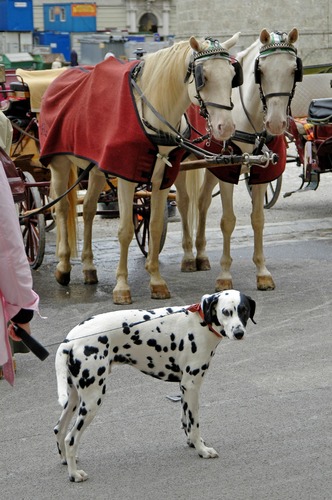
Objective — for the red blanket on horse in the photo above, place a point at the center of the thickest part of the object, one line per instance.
(231, 173)
(90, 112)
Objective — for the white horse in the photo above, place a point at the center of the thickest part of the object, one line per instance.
(194, 71)
(271, 69)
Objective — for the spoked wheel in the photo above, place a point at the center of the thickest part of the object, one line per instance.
(33, 228)
(141, 223)
(272, 191)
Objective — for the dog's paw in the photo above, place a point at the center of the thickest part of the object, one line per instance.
(78, 476)
(205, 452)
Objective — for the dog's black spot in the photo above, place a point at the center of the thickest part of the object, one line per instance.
(89, 350)
(69, 381)
(74, 365)
(146, 317)
(125, 328)
(196, 372)
(205, 366)
(193, 347)
(152, 342)
(191, 336)
(181, 345)
(169, 310)
(127, 346)
(191, 418)
(187, 368)
(185, 407)
(72, 441)
(104, 390)
(115, 349)
(165, 348)
(101, 370)
(161, 374)
(101, 381)
(99, 402)
(65, 351)
(105, 353)
(119, 358)
(103, 339)
(86, 320)
(150, 365)
(173, 378)
(173, 346)
(158, 329)
(82, 411)
(172, 337)
(86, 380)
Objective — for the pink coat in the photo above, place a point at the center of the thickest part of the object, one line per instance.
(15, 274)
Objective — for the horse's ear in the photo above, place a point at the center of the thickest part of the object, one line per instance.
(194, 44)
(293, 35)
(264, 36)
(232, 41)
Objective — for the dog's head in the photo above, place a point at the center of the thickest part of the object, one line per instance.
(229, 311)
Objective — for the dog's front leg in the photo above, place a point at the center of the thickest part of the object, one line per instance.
(190, 418)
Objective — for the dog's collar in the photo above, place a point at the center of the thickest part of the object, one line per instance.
(198, 308)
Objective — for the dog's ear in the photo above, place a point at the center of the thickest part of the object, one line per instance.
(208, 307)
(252, 306)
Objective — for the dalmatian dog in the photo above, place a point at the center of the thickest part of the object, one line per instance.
(174, 344)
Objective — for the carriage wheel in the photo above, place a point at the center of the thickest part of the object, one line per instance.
(33, 228)
(142, 221)
(272, 191)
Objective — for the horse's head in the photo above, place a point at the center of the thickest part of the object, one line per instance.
(277, 69)
(214, 74)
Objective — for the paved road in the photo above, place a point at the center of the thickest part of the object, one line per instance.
(266, 402)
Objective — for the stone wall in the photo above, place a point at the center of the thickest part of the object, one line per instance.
(222, 19)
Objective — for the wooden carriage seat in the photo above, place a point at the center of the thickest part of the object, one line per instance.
(37, 82)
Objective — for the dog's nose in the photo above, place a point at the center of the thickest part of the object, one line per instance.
(238, 333)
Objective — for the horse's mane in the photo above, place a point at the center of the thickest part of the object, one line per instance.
(163, 76)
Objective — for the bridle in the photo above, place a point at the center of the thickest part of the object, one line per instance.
(277, 46)
(195, 68)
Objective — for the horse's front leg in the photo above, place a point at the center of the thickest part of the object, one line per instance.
(96, 183)
(158, 286)
(204, 202)
(188, 263)
(263, 276)
(227, 225)
(126, 190)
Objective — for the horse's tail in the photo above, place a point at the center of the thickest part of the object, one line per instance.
(61, 369)
(72, 212)
(194, 180)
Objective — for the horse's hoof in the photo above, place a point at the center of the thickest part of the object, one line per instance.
(203, 264)
(62, 278)
(122, 297)
(265, 283)
(160, 292)
(188, 266)
(222, 285)
(90, 277)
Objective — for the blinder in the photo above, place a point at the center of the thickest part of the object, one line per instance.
(298, 76)
(200, 79)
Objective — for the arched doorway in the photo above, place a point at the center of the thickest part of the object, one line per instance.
(148, 23)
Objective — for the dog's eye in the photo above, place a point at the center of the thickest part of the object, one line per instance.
(227, 312)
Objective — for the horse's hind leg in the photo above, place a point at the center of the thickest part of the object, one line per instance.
(60, 172)
(158, 286)
(204, 202)
(227, 225)
(263, 276)
(96, 183)
(121, 291)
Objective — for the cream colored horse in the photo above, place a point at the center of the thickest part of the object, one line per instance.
(273, 60)
(167, 82)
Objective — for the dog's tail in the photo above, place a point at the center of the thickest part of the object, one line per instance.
(61, 369)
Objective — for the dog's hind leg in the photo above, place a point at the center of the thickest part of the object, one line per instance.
(60, 430)
(190, 417)
(90, 400)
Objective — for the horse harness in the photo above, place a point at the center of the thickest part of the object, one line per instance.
(215, 51)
